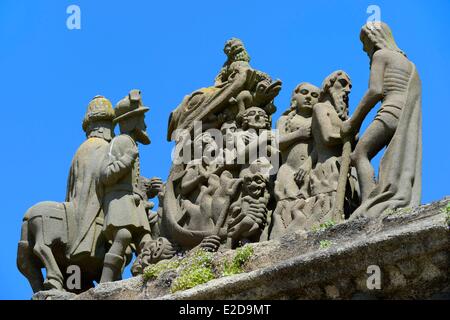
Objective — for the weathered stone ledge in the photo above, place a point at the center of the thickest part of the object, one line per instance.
(411, 247)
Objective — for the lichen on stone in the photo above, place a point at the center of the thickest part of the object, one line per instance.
(397, 211)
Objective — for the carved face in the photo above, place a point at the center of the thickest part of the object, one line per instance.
(205, 144)
(368, 45)
(254, 185)
(235, 51)
(305, 96)
(255, 118)
(228, 130)
(340, 92)
(141, 130)
(267, 90)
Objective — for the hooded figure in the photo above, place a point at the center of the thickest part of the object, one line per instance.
(84, 190)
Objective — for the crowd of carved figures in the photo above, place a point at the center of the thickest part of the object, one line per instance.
(234, 179)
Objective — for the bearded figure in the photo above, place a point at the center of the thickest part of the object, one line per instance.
(324, 164)
(126, 221)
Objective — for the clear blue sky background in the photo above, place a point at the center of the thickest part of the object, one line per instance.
(168, 49)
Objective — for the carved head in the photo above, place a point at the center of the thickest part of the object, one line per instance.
(377, 35)
(266, 91)
(254, 185)
(304, 97)
(130, 114)
(228, 130)
(235, 51)
(205, 145)
(98, 120)
(337, 87)
(254, 118)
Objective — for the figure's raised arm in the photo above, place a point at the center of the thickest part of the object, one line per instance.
(373, 94)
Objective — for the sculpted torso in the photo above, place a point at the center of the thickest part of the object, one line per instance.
(295, 140)
(396, 75)
(295, 154)
(326, 126)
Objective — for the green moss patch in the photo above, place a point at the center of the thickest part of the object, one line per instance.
(446, 211)
(154, 270)
(236, 265)
(325, 244)
(199, 266)
(324, 226)
(195, 269)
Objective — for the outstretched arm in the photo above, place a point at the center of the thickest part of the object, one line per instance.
(373, 95)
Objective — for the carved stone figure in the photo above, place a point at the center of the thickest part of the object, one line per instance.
(159, 248)
(224, 186)
(395, 83)
(150, 188)
(249, 212)
(126, 220)
(295, 143)
(238, 85)
(198, 184)
(55, 235)
(318, 174)
(327, 119)
(237, 57)
(295, 140)
(199, 192)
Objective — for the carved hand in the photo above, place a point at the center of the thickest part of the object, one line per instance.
(168, 251)
(156, 186)
(304, 132)
(210, 243)
(300, 176)
(152, 217)
(249, 136)
(203, 173)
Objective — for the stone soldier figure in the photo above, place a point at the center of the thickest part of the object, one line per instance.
(56, 235)
(84, 189)
(126, 222)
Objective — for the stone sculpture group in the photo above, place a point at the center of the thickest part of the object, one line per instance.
(233, 180)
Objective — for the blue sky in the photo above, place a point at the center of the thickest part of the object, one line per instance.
(168, 49)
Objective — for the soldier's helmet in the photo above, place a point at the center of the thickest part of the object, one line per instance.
(129, 106)
(99, 109)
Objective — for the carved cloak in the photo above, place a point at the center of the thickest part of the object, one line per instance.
(400, 171)
(85, 193)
